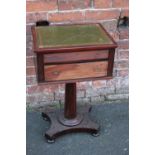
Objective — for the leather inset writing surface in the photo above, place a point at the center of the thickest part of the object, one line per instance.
(71, 35)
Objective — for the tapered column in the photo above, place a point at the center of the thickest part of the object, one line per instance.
(70, 101)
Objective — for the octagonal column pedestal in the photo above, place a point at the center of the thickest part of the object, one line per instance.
(69, 120)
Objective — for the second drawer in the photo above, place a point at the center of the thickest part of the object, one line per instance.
(75, 71)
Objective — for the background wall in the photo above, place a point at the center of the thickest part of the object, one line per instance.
(106, 12)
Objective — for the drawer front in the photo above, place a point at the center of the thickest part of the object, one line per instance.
(75, 71)
(75, 56)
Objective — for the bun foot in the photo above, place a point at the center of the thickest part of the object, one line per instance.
(50, 141)
(96, 134)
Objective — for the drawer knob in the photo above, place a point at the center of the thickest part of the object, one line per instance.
(56, 72)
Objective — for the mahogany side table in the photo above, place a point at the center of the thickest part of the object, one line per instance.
(68, 54)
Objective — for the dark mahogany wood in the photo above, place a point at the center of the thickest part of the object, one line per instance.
(111, 62)
(75, 56)
(70, 100)
(71, 55)
(70, 65)
(70, 116)
(57, 129)
(40, 68)
(75, 70)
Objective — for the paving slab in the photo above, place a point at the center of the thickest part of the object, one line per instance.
(113, 139)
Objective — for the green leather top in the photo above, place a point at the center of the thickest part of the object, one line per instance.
(70, 35)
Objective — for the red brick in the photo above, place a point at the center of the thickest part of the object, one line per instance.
(84, 85)
(115, 97)
(73, 4)
(116, 54)
(38, 98)
(30, 99)
(61, 87)
(122, 82)
(123, 44)
(41, 16)
(29, 51)
(125, 12)
(28, 40)
(124, 33)
(102, 3)
(120, 3)
(102, 15)
(114, 72)
(123, 55)
(99, 84)
(46, 89)
(66, 17)
(121, 64)
(122, 90)
(59, 96)
(28, 30)
(30, 61)
(110, 83)
(31, 80)
(31, 89)
(123, 73)
(33, 17)
(41, 5)
(81, 93)
(30, 18)
(106, 90)
(30, 71)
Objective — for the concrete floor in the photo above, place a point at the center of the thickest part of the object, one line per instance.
(113, 139)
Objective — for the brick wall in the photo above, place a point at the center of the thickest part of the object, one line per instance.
(106, 12)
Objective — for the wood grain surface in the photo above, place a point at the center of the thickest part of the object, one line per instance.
(75, 71)
(76, 56)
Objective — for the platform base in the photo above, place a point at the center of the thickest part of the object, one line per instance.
(58, 128)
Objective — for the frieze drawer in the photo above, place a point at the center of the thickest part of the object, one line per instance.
(76, 56)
